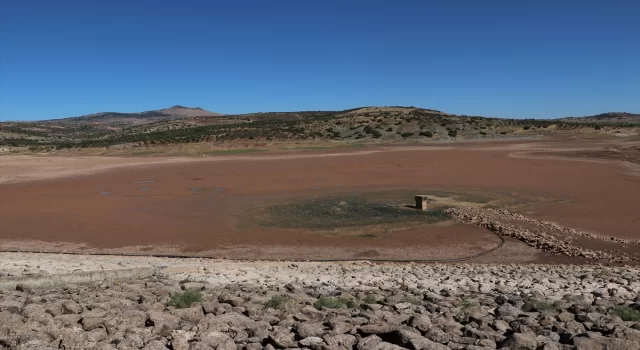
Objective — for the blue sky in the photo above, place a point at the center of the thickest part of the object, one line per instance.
(494, 58)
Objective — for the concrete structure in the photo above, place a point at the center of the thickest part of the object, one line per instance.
(421, 202)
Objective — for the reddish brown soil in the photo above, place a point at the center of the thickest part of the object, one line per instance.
(599, 197)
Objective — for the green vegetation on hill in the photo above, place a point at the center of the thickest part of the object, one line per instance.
(360, 124)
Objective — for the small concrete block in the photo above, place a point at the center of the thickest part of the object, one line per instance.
(421, 202)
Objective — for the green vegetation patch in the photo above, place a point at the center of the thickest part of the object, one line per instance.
(277, 301)
(538, 306)
(466, 303)
(370, 299)
(626, 313)
(348, 211)
(185, 299)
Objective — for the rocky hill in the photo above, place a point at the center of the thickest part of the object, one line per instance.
(92, 124)
(179, 124)
(166, 113)
(184, 304)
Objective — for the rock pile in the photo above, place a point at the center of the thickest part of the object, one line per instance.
(334, 306)
(543, 235)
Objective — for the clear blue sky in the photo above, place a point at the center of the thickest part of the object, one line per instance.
(495, 58)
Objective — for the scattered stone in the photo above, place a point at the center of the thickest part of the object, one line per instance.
(217, 340)
(456, 306)
(520, 341)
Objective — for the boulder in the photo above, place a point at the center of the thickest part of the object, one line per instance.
(71, 307)
(311, 341)
(377, 329)
(520, 341)
(217, 340)
(309, 329)
(231, 299)
(12, 306)
(191, 314)
(340, 341)
(598, 342)
(373, 342)
(282, 340)
(155, 345)
(193, 286)
(90, 323)
(163, 323)
(180, 339)
(421, 322)
(313, 314)
(507, 310)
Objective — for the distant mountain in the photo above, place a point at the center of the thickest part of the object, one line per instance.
(102, 122)
(160, 114)
(611, 117)
(180, 111)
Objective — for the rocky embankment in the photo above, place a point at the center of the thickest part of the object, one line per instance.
(544, 235)
(205, 304)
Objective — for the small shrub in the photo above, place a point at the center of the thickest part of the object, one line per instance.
(626, 313)
(538, 306)
(483, 133)
(370, 299)
(597, 127)
(406, 134)
(334, 303)
(466, 303)
(503, 132)
(426, 134)
(277, 301)
(185, 299)
(389, 129)
(527, 127)
(453, 133)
